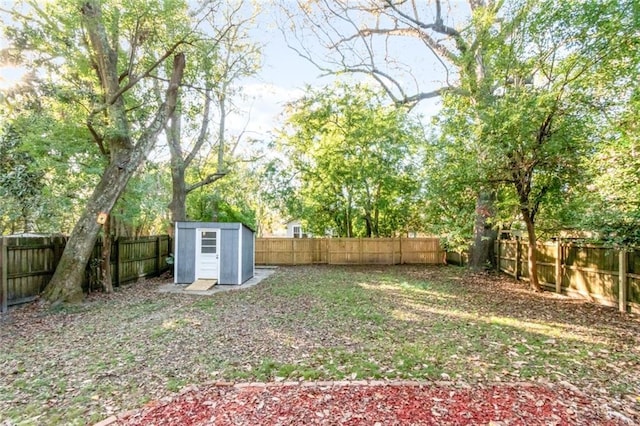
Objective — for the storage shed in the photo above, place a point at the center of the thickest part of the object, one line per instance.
(213, 251)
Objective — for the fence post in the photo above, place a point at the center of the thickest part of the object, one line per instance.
(498, 252)
(558, 266)
(58, 247)
(117, 261)
(158, 252)
(517, 266)
(393, 251)
(361, 250)
(4, 262)
(293, 251)
(622, 281)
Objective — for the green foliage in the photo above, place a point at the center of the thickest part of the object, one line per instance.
(545, 126)
(59, 112)
(351, 163)
(230, 199)
(141, 210)
(20, 184)
(611, 200)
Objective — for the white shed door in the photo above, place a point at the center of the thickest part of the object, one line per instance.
(207, 253)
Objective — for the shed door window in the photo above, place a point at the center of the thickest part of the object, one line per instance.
(208, 243)
(297, 232)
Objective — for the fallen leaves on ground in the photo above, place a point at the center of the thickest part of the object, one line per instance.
(81, 364)
(373, 405)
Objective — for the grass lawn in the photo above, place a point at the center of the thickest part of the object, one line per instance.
(78, 365)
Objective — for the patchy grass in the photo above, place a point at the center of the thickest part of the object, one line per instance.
(78, 365)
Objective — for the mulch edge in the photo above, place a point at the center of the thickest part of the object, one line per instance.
(112, 420)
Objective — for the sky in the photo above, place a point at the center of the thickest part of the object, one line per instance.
(285, 75)
(282, 78)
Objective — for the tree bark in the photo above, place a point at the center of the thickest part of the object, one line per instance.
(368, 225)
(178, 191)
(66, 283)
(531, 252)
(177, 206)
(484, 235)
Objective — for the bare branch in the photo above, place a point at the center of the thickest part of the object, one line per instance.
(206, 181)
(99, 140)
(437, 26)
(202, 135)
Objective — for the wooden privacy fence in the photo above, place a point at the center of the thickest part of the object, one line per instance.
(605, 275)
(460, 258)
(348, 251)
(27, 263)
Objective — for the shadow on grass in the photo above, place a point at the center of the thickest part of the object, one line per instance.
(432, 323)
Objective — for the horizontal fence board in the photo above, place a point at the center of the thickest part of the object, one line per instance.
(31, 262)
(589, 270)
(347, 251)
(30, 265)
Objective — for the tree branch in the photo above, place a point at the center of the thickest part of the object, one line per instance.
(206, 181)
(99, 140)
(202, 136)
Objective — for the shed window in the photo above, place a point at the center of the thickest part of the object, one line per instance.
(297, 232)
(208, 242)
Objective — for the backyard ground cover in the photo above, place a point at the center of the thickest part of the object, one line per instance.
(131, 349)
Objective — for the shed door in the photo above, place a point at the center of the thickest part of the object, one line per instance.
(207, 253)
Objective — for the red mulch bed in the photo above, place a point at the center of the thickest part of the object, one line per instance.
(372, 404)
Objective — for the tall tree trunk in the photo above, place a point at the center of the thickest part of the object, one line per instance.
(484, 235)
(178, 207)
(347, 222)
(531, 252)
(376, 222)
(66, 283)
(25, 220)
(368, 225)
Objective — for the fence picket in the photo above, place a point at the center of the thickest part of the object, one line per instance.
(27, 264)
(622, 281)
(558, 267)
(602, 274)
(347, 251)
(4, 274)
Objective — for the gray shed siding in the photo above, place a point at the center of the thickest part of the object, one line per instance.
(234, 267)
(248, 253)
(229, 258)
(185, 267)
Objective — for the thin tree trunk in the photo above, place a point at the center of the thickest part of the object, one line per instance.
(368, 225)
(25, 220)
(531, 252)
(376, 222)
